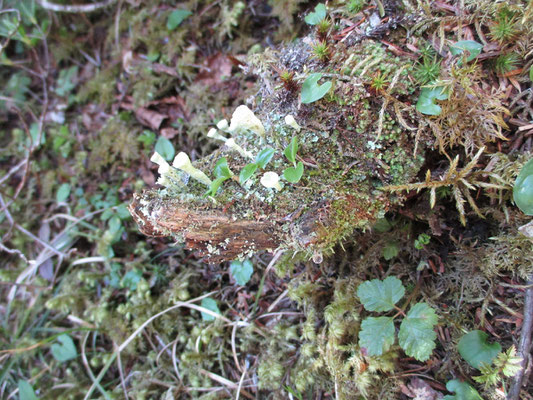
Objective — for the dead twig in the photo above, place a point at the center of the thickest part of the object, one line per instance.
(82, 8)
(524, 347)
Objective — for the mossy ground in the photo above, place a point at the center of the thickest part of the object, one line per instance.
(75, 263)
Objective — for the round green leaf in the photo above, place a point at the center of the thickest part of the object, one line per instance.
(164, 147)
(376, 335)
(426, 101)
(63, 192)
(294, 174)
(211, 305)
(379, 295)
(65, 349)
(472, 47)
(314, 18)
(475, 349)
(462, 390)
(176, 17)
(311, 92)
(26, 391)
(241, 271)
(523, 189)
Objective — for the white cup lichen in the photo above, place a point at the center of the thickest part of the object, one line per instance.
(289, 120)
(234, 146)
(244, 119)
(213, 134)
(183, 163)
(270, 180)
(223, 125)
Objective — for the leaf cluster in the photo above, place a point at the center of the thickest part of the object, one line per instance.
(416, 336)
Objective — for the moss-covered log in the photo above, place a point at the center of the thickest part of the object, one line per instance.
(352, 142)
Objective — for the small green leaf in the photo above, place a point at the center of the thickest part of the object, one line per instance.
(390, 251)
(66, 81)
(291, 150)
(63, 192)
(379, 295)
(426, 101)
(213, 188)
(264, 157)
(247, 172)
(523, 189)
(222, 170)
(65, 349)
(462, 390)
(26, 391)
(241, 271)
(211, 305)
(471, 46)
(376, 335)
(147, 138)
(382, 225)
(131, 279)
(176, 17)
(416, 336)
(314, 18)
(294, 174)
(164, 147)
(311, 92)
(531, 73)
(475, 349)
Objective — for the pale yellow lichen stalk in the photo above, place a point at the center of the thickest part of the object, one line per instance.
(223, 125)
(234, 146)
(270, 180)
(243, 118)
(183, 163)
(289, 120)
(213, 134)
(168, 175)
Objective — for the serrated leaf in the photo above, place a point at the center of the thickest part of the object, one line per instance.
(376, 335)
(426, 101)
(264, 157)
(63, 192)
(211, 305)
(26, 391)
(476, 350)
(294, 174)
(416, 336)
(311, 91)
(164, 147)
(382, 225)
(221, 169)
(462, 390)
(241, 271)
(314, 18)
(377, 295)
(247, 172)
(472, 47)
(390, 251)
(176, 17)
(64, 350)
(291, 150)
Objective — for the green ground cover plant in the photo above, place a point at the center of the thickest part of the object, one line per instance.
(368, 203)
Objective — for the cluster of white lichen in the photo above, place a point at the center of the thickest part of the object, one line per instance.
(243, 120)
